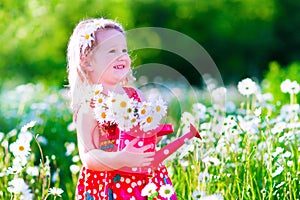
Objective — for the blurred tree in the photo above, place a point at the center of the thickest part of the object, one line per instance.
(242, 36)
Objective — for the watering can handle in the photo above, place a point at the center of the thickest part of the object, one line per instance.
(165, 129)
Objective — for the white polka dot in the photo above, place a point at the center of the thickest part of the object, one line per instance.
(133, 184)
(89, 191)
(129, 190)
(164, 170)
(101, 174)
(127, 180)
(126, 142)
(94, 191)
(122, 179)
(149, 170)
(115, 196)
(79, 197)
(133, 177)
(117, 141)
(166, 151)
(118, 185)
(95, 176)
(140, 143)
(139, 182)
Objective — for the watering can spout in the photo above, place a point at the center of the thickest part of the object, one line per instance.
(166, 151)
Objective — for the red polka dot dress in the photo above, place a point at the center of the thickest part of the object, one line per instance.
(118, 185)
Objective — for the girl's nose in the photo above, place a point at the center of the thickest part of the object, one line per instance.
(123, 56)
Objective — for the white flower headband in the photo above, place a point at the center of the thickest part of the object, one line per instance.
(87, 34)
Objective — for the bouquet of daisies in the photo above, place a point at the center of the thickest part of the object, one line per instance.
(127, 112)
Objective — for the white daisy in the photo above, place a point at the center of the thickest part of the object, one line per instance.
(56, 191)
(277, 171)
(86, 37)
(159, 107)
(289, 86)
(119, 103)
(211, 160)
(17, 166)
(32, 170)
(144, 110)
(198, 194)
(98, 88)
(74, 169)
(28, 126)
(149, 189)
(70, 148)
(199, 110)
(166, 191)
(247, 87)
(187, 119)
(20, 148)
(149, 123)
(18, 186)
(289, 112)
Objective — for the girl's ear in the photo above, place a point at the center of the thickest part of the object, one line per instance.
(85, 64)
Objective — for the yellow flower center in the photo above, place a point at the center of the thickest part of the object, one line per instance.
(21, 148)
(149, 119)
(100, 100)
(143, 111)
(86, 36)
(123, 104)
(97, 92)
(158, 108)
(103, 115)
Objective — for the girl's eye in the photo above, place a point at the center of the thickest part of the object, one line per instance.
(112, 51)
(124, 50)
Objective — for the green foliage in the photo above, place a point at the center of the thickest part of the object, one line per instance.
(275, 76)
(241, 36)
(47, 106)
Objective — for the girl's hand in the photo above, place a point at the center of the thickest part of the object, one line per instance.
(136, 157)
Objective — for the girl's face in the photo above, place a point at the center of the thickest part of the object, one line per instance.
(109, 60)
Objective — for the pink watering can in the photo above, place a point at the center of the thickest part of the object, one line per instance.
(149, 137)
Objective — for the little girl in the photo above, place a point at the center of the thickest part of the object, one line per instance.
(97, 54)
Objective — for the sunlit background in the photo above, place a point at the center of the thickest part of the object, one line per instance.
(255, 156)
